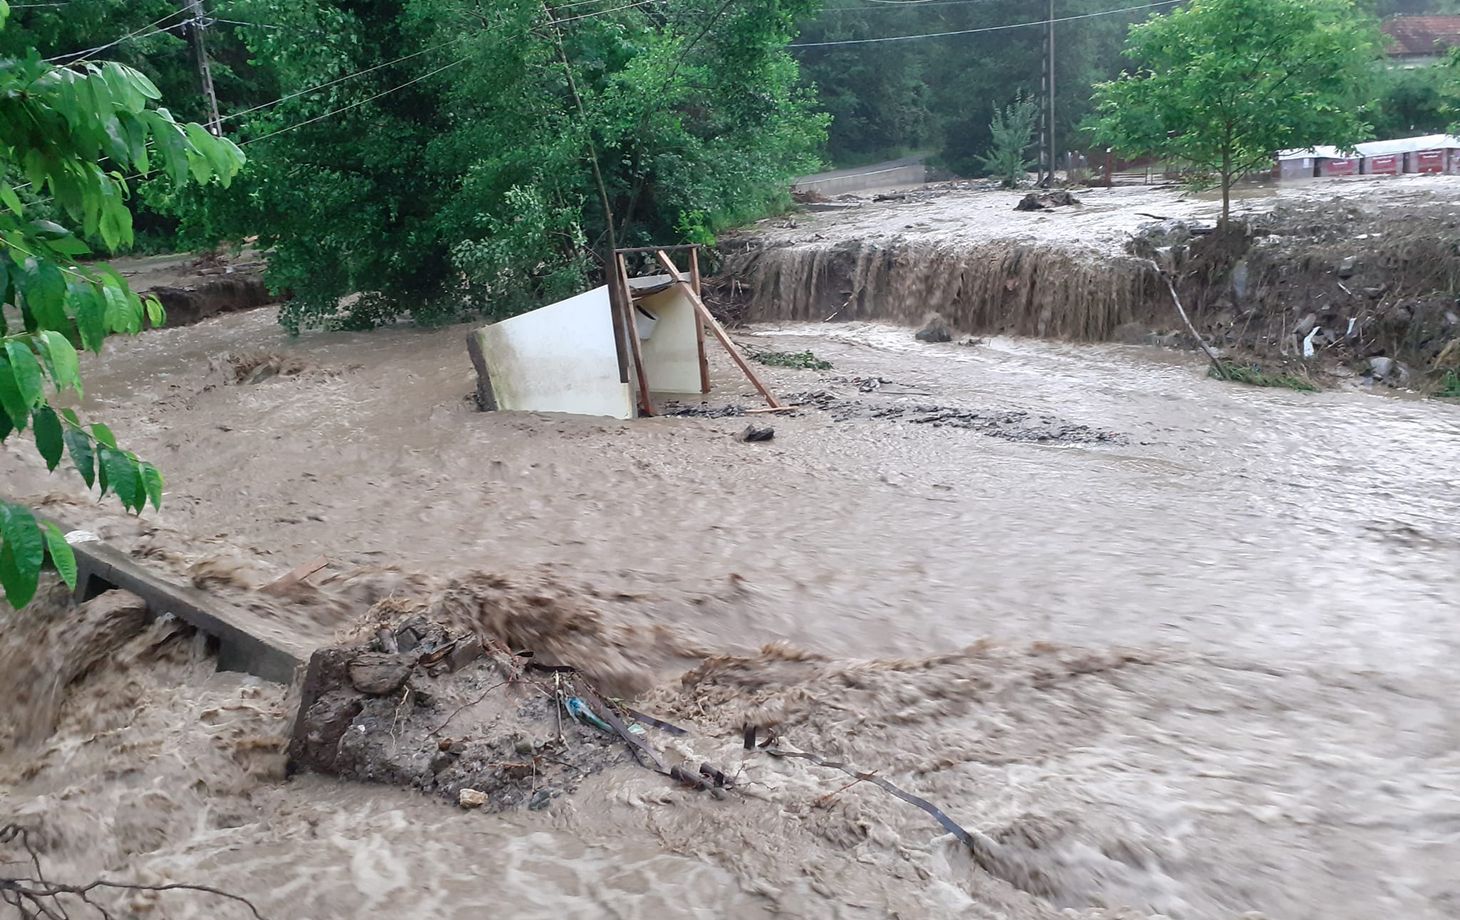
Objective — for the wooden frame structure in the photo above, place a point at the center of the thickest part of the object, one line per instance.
(622, 298)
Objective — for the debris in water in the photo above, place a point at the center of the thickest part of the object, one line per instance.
(984, 850)
(1034, 201)
(701, 410)
(471, 798)
(37, 896)
(935, 329)
(260, 366)
(805, 360)
(756, 433)
(1009, 424)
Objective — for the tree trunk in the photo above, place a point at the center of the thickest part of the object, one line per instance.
(1226, 184)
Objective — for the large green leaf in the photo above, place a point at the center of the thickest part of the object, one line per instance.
(48, 436)
(152, 483)
(21, 556)
(82, 454)
(63, 360)
(10, 199)
(90, 311)
(103, 434)
(15, 407)
(27, 371)
(156, 315)
(122, 478)
(43, 288)
(171, 146)
(63, 560)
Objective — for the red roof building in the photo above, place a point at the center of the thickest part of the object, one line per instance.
(1413, 41)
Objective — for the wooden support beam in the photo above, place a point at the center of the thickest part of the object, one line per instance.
(716, 328)
(637, 249)
(694, 280)
(631, 329)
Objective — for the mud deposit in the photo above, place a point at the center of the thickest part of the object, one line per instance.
(1367, 266)
(1204, 670)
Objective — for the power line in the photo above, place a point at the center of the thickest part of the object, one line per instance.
(346, 108)
(348, 76)
(239, 22)
(888, 5)
(1012, 25)
(84, 55)
(603, 12)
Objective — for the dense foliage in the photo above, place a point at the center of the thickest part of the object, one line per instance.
(1410, 101)
(68, 135)
(1220, 84)
(938, 95)
(1011, 132)
(454, 167)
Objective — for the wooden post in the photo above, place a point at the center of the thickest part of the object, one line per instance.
(694, 280)
(631, 329)
(717, 329)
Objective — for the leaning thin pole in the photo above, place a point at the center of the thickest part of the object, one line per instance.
(1201, 342)
(715, 327)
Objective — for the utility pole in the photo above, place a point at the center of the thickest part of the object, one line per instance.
(1049, 91)
(196, 26)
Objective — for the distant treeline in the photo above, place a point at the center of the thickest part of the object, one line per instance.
(937, 95)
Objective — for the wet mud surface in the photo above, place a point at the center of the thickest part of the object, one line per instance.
(1200, 670)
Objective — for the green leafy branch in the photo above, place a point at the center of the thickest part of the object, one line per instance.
(58, 126)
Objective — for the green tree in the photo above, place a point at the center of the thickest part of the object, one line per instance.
(1221, 85)
(70, 136)
(1011, 133)
(451, 166)
(1412, 100)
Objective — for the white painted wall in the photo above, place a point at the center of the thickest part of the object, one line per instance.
(671, 353)
(559, 358)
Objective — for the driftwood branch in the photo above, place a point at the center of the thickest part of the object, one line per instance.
(1201, 342)
(38, 897)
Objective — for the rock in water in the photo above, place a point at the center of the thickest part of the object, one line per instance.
(1380, 367)
(1029, 202)
(756, 433)
(380, 673)
(471, 798)
(935, 329)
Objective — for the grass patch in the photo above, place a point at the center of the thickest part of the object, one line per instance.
(1449, 386)
(806, 360)
(1255, 376)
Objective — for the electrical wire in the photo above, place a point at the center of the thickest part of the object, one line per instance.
(239, 22)
(889, 5)
(1012, 25)
(356, 104)
(603, 12)
(348, 76)
(82, 56)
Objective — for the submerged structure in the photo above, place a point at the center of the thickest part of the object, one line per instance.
(608, 351)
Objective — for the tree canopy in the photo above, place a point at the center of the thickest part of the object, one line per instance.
(1221, 85)
(439, 157)
(72, 139)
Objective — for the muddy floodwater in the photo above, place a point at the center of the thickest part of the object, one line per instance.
(1181, 648)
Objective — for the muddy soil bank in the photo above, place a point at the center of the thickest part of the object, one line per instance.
(1337, 272)
(193, 287)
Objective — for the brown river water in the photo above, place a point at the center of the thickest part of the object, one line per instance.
(1190, 655)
